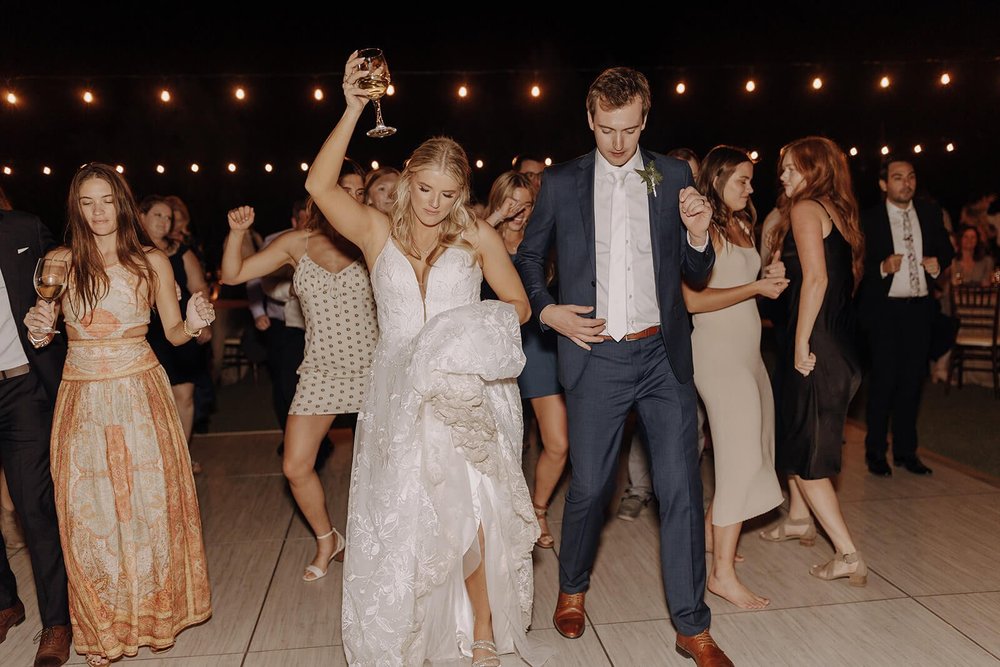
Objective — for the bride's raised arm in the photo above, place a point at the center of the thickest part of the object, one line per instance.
(362, 225)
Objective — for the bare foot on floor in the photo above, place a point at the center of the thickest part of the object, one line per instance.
(733, 590)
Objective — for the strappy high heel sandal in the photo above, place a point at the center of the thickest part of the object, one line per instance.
(97, 660)
(780, 532)
(490, 660)
(838, 568)
(338, 555)
(545, 540)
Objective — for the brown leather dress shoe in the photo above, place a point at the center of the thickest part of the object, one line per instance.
(570, 619)
(703, 649)
(53, 646)
(10, 617)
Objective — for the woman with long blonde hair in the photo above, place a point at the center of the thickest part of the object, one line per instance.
(823, 251)
(332, 285)
(125, 496)
(440, 528)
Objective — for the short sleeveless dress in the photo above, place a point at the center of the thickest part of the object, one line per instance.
(183, 363)
(814, 408)
(341, 334)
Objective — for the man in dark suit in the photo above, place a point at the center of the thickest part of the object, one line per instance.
(29, 378)
(906, 249)
(616, 217)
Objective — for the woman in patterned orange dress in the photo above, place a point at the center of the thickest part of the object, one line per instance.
(125, 496)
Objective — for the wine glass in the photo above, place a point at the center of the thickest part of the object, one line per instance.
(375, 83)
(50, 281)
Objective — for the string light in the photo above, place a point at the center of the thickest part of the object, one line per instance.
(918, 149)
(268, 168)
(46, 171)
(164, 95)
(231, 167)
(535, 91)
(120, 169)
(884, 82)
(160, 169)
(195, 167)
(11, 98)
(817, 83)
(8, 171)
(853, 151)
(885, 150)
(754, 155)
(88, 97)
(950, 147)
(680, 88)
(391, 90)
(463, 91)
(479, 164)
(751, 85)
(240, 94)
(374, 165)
(318, 94)
(945, 79)
(548, 162)
(304, 166)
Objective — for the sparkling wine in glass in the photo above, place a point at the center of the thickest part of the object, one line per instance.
(375, 83)
(50, 281)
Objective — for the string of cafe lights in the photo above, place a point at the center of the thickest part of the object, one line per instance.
(240, 92)
(270, 168)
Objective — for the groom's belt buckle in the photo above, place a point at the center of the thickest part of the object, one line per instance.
(639, 335)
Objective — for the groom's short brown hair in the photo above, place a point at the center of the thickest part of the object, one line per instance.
(617, 87)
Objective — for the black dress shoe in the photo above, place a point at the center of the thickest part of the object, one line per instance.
(879, 467)
(914, 465)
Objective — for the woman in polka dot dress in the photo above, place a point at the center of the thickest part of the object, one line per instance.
(334, 290)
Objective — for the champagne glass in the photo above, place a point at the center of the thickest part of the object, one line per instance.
(50, 281)
(375, 83)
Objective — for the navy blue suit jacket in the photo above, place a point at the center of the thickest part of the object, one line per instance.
(564, 209)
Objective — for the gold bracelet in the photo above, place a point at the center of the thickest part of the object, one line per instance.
(192, 334)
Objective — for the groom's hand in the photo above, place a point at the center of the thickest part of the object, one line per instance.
(565, 318)
(696, 213)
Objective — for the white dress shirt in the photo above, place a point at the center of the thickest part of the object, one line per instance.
(641, 308)
(11, 352)
(900, 287)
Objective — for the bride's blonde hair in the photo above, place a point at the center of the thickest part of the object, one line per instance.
(444, 155)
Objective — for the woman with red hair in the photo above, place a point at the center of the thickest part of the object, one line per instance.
(823, 257)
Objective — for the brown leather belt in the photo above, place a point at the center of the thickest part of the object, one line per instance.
(23, 369)
(639, 335)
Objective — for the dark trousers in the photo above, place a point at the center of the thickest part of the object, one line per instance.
(285, 349)
(618, 377)
(25, 427)
(900, 338)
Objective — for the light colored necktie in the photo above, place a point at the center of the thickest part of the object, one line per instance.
(911, 254)
(617, 324)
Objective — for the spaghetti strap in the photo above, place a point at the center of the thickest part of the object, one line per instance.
(825, 210)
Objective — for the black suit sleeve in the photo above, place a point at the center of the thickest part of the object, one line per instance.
(45, 239)
(534, 248)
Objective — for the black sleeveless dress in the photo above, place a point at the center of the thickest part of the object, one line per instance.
(183, 363)
(813, 409)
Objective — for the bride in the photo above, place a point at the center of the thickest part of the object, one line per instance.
(440, 526)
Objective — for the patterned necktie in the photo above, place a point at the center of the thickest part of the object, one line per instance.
(617, 324)
(911, 254)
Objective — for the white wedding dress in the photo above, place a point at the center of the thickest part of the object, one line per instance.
(437, 454)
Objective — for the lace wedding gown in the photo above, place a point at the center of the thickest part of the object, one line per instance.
(437, 455)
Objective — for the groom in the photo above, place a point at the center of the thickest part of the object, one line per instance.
(618, 217)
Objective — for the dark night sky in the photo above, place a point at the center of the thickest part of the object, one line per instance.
(128, 55)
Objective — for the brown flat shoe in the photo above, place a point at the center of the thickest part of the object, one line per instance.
(10, 617)
(53, 646)
(570, 618)
(703, 650)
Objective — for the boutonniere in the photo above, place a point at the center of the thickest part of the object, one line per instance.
(651, 177)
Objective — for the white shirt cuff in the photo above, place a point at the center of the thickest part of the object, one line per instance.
(699, 248)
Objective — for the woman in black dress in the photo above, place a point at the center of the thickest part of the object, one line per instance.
(823, 257)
